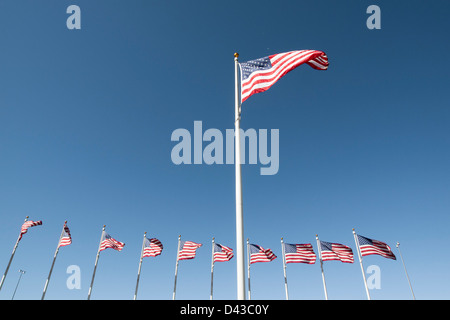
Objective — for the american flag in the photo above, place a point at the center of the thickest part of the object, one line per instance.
(260, 74)
(259, 254)
(369, 246)
(299, 253)
(66, 238)
(152, 247)
(188, 250)
(109, 242)
(28, 224)
(336, 251)
(222, 253)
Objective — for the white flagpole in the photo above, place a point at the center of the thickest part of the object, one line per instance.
(176, 269)
(404, 266)
(96, 262)
(53, 263)
(248, 270)
(22, 272)
(10, 259)
(319, 248)
(139, 269)
(212, 269)
(239, 208)
(360, 262)
(284, 269)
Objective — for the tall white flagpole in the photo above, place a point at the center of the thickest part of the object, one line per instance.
(319, 248)
(22, 272)
(139, 269)
(240, 261)
(212, 269)
(53, 263)
(96, 262)
(10, 259)
(360, 262)
(176, 269)
(248, 270)
(404, 266)
(284, 269)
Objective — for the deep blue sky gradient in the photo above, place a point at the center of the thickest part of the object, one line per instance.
(86, 118)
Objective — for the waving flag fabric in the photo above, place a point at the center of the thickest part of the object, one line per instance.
(188, 250)
(336, 251)
(299, 253)
(222, 253)
(109, 242)
(152, 247)
(259, 254)
(260, 74)
(28, 224)
(369, 246)
(66, 238)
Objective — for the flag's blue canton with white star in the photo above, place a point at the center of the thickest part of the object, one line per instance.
(363, 240)
(254, 248)
(290, 248)
(251, 66)
(326, 246)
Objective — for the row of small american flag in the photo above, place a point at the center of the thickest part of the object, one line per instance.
(291, 252)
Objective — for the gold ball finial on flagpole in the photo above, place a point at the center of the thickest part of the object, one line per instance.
(236, 55)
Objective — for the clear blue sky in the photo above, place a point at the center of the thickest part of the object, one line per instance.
(86, 118)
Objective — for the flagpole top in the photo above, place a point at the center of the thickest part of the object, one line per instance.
(236, 55)
(27, 217)
(65, 221)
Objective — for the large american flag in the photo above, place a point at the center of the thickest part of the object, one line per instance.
(66, 238)
(152, 247)
(336, 251)
(299, 253)
(369, 246)
(222, 253)
(188, 250)
(109, 242)
(260, 74)
(26, 225)
(259, 254)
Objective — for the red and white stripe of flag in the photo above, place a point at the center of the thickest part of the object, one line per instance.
(188, 250)
(66, 238)
(282, 63)
(28, 224)
(153, 248)
(339, 252)
(225, 255)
